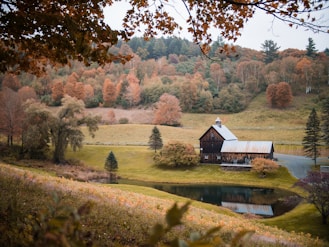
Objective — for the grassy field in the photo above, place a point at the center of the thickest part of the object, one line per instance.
(286, 128)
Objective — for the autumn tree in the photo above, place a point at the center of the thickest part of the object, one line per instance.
(305, 71)
(109, 92)
(65, 129)
(176, 154)
(155, 140)
(57, 91)
(311, 140)
(90, 99)
(279, 95)
(317, 185)
(167, 110)
(284, 95)
(80, 91)
(325, 121)
(70, 85)
(26, 93)
(133, 92)
(33, 34)
(264, 166)
(11, 115)
(11, 81)
(270, 51)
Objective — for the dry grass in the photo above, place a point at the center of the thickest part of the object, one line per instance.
(120, 212)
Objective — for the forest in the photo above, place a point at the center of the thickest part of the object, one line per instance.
(220, 82)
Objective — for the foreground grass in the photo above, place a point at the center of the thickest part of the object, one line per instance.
(120, 215)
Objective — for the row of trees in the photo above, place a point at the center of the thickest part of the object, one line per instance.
(201, 85)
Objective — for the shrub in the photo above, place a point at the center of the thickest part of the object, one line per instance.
(123, 121)
(177, 154)
(264, 166)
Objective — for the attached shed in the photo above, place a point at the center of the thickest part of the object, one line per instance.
(212, 140)
(242, 152)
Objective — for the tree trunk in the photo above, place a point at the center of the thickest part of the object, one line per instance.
(324, 219)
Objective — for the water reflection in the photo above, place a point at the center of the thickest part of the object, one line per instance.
(261, 201)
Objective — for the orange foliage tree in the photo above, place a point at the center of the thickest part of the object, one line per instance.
(89, 91)
(133, 90)
(79, 91)
(279, 95)
(57, 91)
(26, 93)
(109, 92)
(168, 111)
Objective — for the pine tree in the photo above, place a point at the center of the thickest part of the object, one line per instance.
(155, 140)
(111, 162)
(325, 121)
(310, 48)
(312, 138)
(270, 51)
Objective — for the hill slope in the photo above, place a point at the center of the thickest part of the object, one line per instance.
(121, 216)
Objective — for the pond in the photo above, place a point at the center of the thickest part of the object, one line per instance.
(250, 200)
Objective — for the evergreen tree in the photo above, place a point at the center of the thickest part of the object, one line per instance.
(312, 138)
(270, 50)
(111, 162)
(155, 140)
(310, 48)
(325, 121)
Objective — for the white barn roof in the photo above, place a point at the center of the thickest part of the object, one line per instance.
(225, 132)
(249, 208)
(247, 147)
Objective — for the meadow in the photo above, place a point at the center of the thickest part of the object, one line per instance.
(123, 214)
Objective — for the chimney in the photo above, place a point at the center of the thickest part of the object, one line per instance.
(218, 122)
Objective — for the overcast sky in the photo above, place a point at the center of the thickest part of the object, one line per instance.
(258, 29)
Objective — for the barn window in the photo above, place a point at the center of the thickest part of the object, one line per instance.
(218, 157)
(206, 157)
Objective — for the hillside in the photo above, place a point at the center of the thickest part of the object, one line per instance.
(257, 122)
(119, 216)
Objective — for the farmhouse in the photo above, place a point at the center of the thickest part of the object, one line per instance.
(219, 145)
